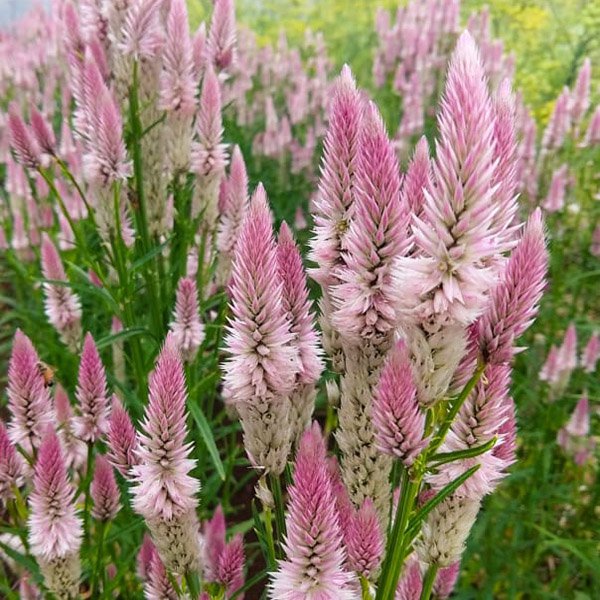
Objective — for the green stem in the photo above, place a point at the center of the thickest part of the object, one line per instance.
(396, 542)
(445, 426)
(88, 481)
(271, 559)
(97, 583)
(193, 585)
(279, 510)
(67, 173)
(364, 586)
(428, 582)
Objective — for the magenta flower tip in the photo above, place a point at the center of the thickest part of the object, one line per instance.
(104, 491)
(364, 540)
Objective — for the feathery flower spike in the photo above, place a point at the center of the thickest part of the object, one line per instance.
(104, 491)
(220, 45)
(186, 327)
(11, 466)
(121, 438)
(364, 540)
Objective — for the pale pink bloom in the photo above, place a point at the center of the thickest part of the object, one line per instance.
(478, 421)
(141, 35)
(505, 448)
(568, 349)
(28, 397)
(26, 148)
(559, 123)
(144, 557)
(515, 300)
(92, 395)
(54, 527)
(332, 206)
(121, 439)
(505, 154)
(262, 362)
(198, 49)
(186, 327)
(551, 370)
(164, 489)
(28, 590)
(230, 568)
(213, 543)
(314, 565)
(75, 450)
(177, 81)
(592, 135)
(398, 420)
(209, 155)
(220, 46)
(580, 97)
(11, 466)
(62, 305)
(158, 586)
(418, 178)
(410, 584)
(452, 235)
(297, 306)
(591, 353)
(555, 199)
(233, 207)
(364, 541)
(104, 491)
(300, 222)
(365, 301)
(446, 580)
(42, 133)
(574, 437)
(94, 25)
(579, 423)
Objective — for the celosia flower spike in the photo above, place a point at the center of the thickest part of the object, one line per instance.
(187, 329)
(42, 133)
(364, 541)
(365, 301)
(23, 143)
(214, 543)
(55, 530)
(418, 178)
(398, 419)
(314, 565)
(165, 492)
(591, 353)
(104, 491)
(121, 438)
(94, 407)
(141, 34)
(62, 305)
(230, 570)
(220, 46)
(514, 301)
(11, 466)
(296, 304)
(28, 397)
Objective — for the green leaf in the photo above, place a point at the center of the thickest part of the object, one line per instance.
(26, 562)
(207, 436)
(122, 335)
(140, 262)
(446, 457)
(249, 583)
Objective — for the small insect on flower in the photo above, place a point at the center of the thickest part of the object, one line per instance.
(47, 372)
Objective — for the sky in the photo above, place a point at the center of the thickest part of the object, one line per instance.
(11, 9)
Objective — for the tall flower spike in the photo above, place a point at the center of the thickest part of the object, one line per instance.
(220, 46)
(314, 565)
(230, 570)
(42, 133)
(591, 353)
(232, 212)
(445, 531)
(214, 543)
(580, 98)
(209, 154)
(263, 365)
(141, 36)
(568, 350)
(398, 419)
(452, 234)
(555, 199)
(297, 305)
(94, 407)
(410, 584)
(11, 466)
(186, 327)
(54, 528)
(23, 143)
(514, 301)
(338, 167)
(165, 492)
(177, 82)
(158, 586)
(365, 301)
(62, 305)
(28, 397)
(364, 541)
(122, 439)
(75, 450)
(446, 580)
(104, 491)
(418, 178)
